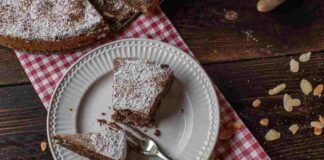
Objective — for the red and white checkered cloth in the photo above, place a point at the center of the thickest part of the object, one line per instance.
(44, 72)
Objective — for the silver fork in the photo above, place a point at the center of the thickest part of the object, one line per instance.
(146, 145)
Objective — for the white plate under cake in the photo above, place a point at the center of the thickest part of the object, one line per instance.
(85, 93)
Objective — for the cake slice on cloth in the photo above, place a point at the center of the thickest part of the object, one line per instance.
(139, 86)
(109, 144)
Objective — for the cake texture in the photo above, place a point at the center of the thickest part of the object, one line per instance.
(109, 144)
(145, 6)
(49, 25)
(139, 86)
(115, 11)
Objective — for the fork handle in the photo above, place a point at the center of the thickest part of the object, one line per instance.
(163, 156)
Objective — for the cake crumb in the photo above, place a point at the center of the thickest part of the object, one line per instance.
(145, 130)
(157, 132)
(102, 122)
(181, 110)
(43, 146)
(103, 113)
(71, 109)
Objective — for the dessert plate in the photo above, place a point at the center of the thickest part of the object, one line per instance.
(188, 117)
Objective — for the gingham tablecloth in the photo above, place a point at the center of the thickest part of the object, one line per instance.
(44, 72)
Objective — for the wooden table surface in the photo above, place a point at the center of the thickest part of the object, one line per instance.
(245, 55)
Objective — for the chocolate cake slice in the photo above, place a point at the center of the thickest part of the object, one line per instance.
(109, 144)
(139, 86)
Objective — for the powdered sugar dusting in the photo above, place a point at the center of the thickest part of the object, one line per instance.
(47, 19)
(110, 143)
(137, 83)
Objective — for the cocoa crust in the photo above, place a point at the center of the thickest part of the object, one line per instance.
(37, 46)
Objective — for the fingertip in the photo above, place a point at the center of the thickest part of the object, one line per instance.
(261, 6)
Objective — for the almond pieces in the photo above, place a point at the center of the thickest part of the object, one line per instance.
(237, 125)
(318, 90)
(317, 124)
(321, 119)
(317, 131)
(305, 57)
(277, 89)
(306, 86)
(294, 102)
(256, 103)
(286, 99)
(294, 128)
(43, 146)
(294, 66)
(264, 122)
(230, 129)
(226, 134)
(272, 135)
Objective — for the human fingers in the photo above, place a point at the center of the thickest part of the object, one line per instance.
(268, 5)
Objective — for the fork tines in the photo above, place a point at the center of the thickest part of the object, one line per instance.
(138, 139)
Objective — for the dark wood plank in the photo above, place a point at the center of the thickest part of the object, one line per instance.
(10, 69)
(295, 27)
(22, 124)
(244, 81)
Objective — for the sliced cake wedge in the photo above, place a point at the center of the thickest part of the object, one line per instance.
(139, 86)
(109, 144)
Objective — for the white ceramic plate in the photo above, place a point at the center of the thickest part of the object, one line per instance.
(86, 88)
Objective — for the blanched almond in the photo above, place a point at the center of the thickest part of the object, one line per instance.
(256, 103)
(294, 128)
(305, 57)
(294, 66)
(272, 135)
(318, 90)
(321, 119)
(264, 122)
(43, 146)
(277, 89)
(226, 134)
(317, 124)
(286, 103)
(317, 131)
(294, 102)
(306, 86)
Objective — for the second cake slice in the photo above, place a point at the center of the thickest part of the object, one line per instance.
(139, 86)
